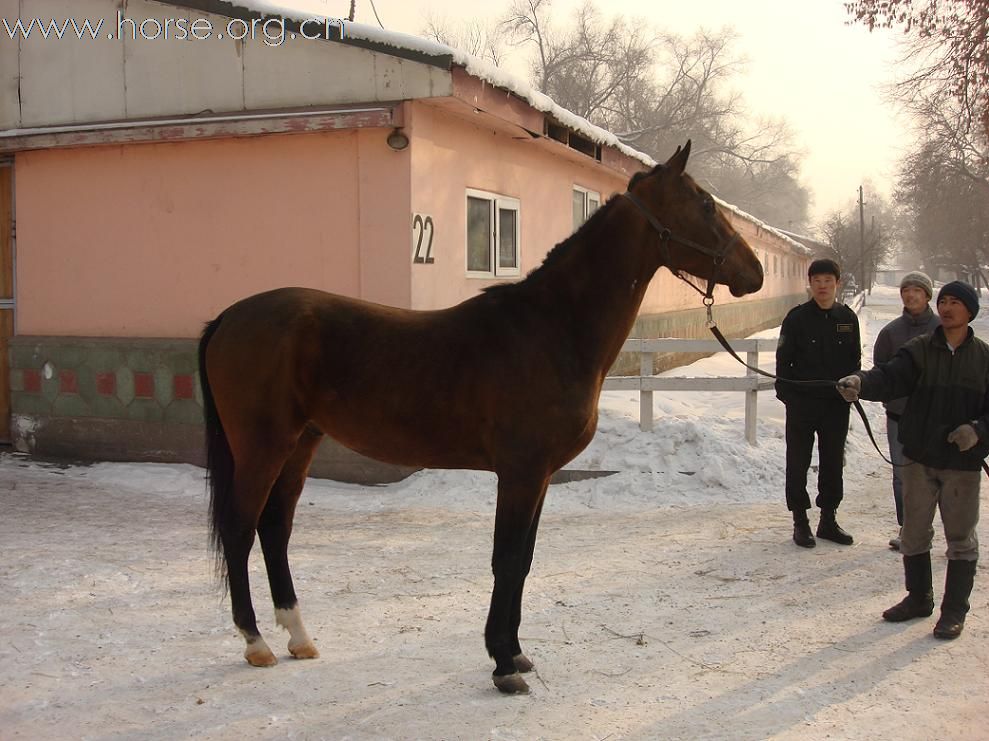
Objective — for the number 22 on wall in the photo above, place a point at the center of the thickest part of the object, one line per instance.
(422, 239)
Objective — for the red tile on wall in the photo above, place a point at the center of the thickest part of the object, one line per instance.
(144, 385)
(182, 385)
(68, 382)
(106, 384)
(32, 381)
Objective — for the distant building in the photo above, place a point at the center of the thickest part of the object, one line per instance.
(886, 276)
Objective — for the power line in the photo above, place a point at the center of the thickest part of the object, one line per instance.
(376, 15)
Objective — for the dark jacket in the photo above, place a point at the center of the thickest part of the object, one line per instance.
(894, 336)
(945, 388)
(817, 344)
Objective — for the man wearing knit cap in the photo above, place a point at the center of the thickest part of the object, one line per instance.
(920, 280)
(916, 292)
(944, 430)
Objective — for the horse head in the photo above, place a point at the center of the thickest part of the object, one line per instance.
(692, 234)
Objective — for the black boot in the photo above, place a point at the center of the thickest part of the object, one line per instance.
(919, 601)
(802, 535)
(829, 529)
(957, 587)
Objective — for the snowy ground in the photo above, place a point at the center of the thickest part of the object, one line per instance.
(666, 601)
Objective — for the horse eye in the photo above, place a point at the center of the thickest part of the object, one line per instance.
(709, 206)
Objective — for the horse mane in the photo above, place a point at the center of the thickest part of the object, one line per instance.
(554, 256)
(640, 175)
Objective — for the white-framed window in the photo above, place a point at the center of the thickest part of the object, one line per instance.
(585, 203)
(492, 235)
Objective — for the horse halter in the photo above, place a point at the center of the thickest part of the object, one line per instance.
(666, 236)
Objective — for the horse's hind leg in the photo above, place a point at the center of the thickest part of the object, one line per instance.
(253, 479)
(274, 530)
(519, 503)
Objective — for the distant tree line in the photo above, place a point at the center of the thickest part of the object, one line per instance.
(943, 184)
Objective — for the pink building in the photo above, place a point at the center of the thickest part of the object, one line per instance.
(153, 181)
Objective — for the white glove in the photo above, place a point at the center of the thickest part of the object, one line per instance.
(964, 436)
(849, 388)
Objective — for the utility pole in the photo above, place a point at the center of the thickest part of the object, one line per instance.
(862, 268)
(874, 230)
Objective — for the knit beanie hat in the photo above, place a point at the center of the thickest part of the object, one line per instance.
(919, 279)
(964, 293)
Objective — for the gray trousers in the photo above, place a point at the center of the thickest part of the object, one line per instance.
(956, 494)
(896, 455)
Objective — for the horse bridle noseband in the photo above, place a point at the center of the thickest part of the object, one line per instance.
(666, 236)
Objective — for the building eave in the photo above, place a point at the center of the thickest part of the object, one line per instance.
(206, 126)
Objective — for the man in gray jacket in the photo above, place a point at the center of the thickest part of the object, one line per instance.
(916, 292)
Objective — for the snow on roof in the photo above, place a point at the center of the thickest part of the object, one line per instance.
(477, 67)
(802, 241)
(491, 74)
(779, 233)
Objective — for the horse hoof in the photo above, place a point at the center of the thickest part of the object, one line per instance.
(522, 663)
(511, 684)
(260, 656)
(304, 651)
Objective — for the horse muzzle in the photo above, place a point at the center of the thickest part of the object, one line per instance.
(746, 280)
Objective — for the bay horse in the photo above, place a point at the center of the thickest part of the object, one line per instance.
(507, 381)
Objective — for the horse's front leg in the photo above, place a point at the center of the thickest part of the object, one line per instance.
(520, 501)
(522, 663)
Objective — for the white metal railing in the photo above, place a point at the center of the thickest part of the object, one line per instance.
(645, 383)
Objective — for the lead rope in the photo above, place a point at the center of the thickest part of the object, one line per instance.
(857, 404)
(711, 325)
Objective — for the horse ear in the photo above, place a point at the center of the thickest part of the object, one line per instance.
(678, 162)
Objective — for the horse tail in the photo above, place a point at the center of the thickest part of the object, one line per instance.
(219, 458)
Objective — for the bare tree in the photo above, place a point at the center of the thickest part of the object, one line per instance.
(943, 183)
(528, 23)
(656, 89)
(586, 68)
(772, 191)
(837, 233)
(948, 211)
(484, 41)
(862, 248)
(950, 43)
(945, 131)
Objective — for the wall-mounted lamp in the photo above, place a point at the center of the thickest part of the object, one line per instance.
(397, 140)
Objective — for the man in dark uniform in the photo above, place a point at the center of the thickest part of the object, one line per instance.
(819, 340)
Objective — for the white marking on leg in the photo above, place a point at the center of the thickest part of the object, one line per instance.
(300, 644)
(291, 620)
